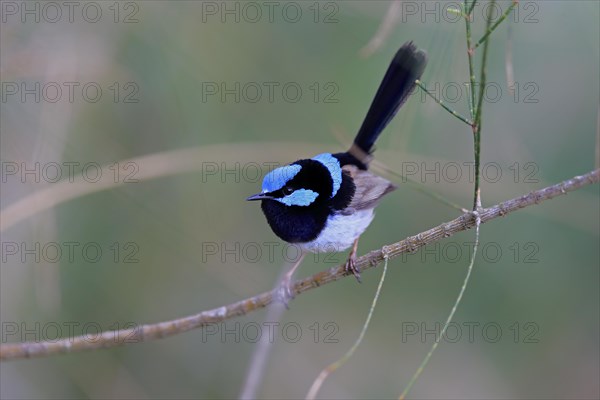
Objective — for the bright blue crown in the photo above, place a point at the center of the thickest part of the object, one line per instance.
(277, 178)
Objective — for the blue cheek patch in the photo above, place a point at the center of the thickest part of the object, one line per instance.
(300, 197)
(277, 178)
(333, 166)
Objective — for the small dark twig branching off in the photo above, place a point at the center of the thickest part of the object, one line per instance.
(160, 330)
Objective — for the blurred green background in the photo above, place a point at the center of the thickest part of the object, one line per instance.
(179, 80)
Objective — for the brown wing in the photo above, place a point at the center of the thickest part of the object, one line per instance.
(369, 188)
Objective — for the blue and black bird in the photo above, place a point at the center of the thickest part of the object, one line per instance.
(325, 203)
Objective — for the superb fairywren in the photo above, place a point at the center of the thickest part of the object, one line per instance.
(326, 202)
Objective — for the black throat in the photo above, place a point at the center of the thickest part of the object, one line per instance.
(301, 224)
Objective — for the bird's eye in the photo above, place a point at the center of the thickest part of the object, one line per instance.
(288, 190)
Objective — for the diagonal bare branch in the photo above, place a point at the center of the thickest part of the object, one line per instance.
(161, 330)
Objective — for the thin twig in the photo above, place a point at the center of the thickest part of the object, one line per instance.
(457, 11)
(450, 316)
(491, 29)
(314, 389)
(160, 330)
(476, 127)
(470, 10)
(470, 52)
(418, 186)
(441, 103)
(378, 165)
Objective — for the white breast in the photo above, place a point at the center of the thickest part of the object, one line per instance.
(340, 232)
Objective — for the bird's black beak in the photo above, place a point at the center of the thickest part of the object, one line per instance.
(259, 196)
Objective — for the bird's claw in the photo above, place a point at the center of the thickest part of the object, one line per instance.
(285, 293)
(352, 267)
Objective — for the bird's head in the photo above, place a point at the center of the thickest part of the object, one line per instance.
(303, 183)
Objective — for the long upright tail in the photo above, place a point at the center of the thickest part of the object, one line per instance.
(399, 80)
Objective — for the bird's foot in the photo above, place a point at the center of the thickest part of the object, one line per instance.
(285, 292)
(352, 267)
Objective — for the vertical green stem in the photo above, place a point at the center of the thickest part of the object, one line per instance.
(470, 57)
(478, 112)
(470, 9)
